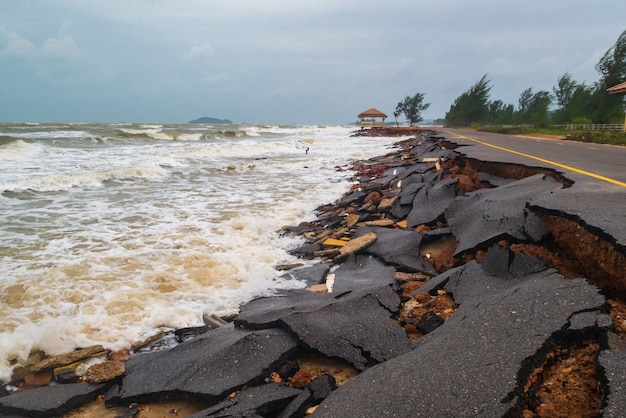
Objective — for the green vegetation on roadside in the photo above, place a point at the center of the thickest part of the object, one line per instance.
(597, 137)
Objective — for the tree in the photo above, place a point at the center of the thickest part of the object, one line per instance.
(533, 107)
(412, 107)
(575, 100)
(472, 106)
(565, 90)
(612, 69)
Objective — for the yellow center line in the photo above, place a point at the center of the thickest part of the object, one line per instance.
(543, 160)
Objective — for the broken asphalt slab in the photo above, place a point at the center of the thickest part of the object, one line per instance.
(206, 368)
(398, 247)
(49, 401)
(357, 331)
(264, 400)
(352, 323)
(476, 363)
(485, 216)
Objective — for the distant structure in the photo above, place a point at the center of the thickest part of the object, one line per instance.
(372, 117)
(619, 89)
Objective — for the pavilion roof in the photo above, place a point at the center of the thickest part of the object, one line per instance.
(372, 113)
(617, 89)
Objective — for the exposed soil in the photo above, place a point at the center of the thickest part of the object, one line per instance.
(312, 365)
(568, 384)
(170, 409)
(467, 169)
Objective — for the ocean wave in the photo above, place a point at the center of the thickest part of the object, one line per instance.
(156, 132)
(18, 151)
(49, 134)
(83, 179)
(238, 133)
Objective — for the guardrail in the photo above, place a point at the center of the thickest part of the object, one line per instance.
(596, 127)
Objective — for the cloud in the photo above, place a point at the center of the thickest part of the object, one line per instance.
(64, 48)
(14, 46)
(199, 52)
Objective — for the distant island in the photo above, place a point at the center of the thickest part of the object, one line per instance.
(210, 120)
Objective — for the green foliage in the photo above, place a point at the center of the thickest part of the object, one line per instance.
(472, 106)
(599, 137)
(533, 108)
(412, 108)
(612, 69)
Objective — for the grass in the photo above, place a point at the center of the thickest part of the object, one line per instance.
(597, 137)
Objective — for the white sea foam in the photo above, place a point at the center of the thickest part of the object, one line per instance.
(18, 151)
(82, 179)
(117, 241)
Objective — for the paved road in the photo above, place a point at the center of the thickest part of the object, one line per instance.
(604, 160)
(598, 196)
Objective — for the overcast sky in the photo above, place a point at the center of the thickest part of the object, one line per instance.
(289, 61)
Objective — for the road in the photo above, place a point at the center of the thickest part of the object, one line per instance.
(598, 196)
(606, 161)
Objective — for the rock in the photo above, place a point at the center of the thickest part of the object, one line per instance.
(38, 379)
(372, 197)
(103, 372)
(355, 245)
(429, 322)
(380, 222)
(64, 359)
(352, 219)
(234, 357)
(49, 401)
(386, 203)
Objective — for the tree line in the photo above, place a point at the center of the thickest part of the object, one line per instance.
(574, 102)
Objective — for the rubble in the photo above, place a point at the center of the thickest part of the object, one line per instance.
(448, 285)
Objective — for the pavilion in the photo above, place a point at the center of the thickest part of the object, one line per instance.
(372, 117)
(619, 89)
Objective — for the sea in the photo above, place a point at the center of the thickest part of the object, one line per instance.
(110, 233)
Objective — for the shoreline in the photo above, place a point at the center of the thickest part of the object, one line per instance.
(420, 258)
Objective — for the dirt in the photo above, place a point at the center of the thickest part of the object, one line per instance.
(568, 385)
(314, 365)
(170, 409)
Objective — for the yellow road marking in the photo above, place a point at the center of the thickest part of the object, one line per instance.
(543, 160)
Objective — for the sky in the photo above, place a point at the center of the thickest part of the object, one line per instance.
(285, 61)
